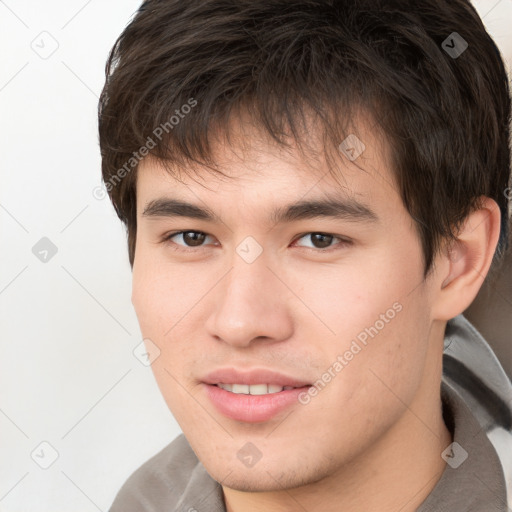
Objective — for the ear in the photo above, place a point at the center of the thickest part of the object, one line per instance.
(462, 265)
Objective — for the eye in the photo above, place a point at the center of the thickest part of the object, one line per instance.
(188, 238)
(321, 240)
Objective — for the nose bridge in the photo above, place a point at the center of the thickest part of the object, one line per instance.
(248, 304)
(247, 287)
(248, 279)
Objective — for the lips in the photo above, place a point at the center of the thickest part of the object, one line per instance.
(252, 396)
(253, 389)
(252, 377)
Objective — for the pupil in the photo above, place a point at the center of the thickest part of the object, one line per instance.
(321, 241)
(193, 238)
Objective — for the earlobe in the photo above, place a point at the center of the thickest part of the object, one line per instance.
(466, 260)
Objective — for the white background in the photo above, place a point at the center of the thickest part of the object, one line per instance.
(67, 372)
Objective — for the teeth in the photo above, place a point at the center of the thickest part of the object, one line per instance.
(253, 389)
(258, 389)
(241, 389)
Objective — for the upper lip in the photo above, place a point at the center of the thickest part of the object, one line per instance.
(252, 376)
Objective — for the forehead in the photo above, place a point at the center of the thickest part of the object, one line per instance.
(257, 169)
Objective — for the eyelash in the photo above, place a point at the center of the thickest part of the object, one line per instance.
(343, 242)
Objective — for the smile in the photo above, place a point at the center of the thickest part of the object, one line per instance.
(253, 389)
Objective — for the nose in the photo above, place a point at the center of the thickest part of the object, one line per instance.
(250, 304)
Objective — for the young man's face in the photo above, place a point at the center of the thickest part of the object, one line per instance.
(260, 299)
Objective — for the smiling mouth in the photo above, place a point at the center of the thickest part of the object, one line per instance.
(254, 402)
(253, 389)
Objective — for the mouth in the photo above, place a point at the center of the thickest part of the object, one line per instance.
(253, 389)
(254, 396)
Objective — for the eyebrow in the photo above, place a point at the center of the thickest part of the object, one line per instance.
(343, 209)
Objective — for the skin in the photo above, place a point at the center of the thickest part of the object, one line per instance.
(372, 438)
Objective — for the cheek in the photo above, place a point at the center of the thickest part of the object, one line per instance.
(389, 368)
(163, 299)
(163, 294)
(351, 296)
(168, 300)
(150, 300)
(371, 384)
(371, 312)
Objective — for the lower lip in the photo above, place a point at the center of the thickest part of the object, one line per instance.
(252, 408)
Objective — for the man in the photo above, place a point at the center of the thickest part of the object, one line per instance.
(314, 192)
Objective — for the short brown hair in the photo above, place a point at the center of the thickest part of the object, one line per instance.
(445, 116)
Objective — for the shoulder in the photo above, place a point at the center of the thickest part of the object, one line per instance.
(473, 370)
(159, 483)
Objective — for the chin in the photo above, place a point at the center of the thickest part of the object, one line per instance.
(255, 482)
(266, 478)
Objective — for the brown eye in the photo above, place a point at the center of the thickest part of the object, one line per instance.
(321, 241)
(193, 238)
(316, 240)
(188, 239)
